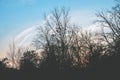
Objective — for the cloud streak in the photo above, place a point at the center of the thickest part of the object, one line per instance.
(25, 38)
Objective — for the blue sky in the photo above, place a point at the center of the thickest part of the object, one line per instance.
(18, 15)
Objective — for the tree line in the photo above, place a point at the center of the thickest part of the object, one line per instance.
(68, 52)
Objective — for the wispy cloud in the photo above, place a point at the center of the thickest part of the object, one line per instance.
(25, 37)
(83, 18)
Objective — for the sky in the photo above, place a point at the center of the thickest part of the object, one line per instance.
(20, 16)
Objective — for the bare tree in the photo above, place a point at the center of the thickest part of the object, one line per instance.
(65, 44)
(56, 37)
(111, 20)
(14, 55)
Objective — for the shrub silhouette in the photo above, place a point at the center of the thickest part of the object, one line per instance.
(29, 61)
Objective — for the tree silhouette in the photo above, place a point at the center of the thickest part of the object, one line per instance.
(29, 61)
(14, 54)
(56, 41)
(68, 52)
(111, 20)
(3, 63)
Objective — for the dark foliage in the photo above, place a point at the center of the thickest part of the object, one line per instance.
(106, 68)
